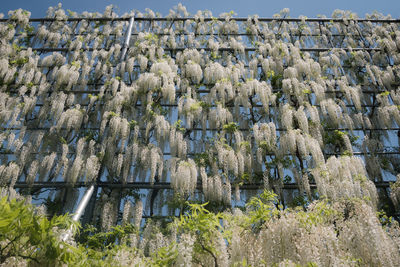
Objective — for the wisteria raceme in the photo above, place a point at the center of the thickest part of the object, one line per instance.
(185, 251)
(138, 212)
(184, 178)
(93, 167)
(350, 173)
(9, 174)
(47, 165)
(126, 212)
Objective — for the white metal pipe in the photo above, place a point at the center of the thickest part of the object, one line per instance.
(82, 205)
(127, 38)
(79, 211)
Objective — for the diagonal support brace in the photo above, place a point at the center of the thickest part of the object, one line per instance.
(79, 211)
(127, 38)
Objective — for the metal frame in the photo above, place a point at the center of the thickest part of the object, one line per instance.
(89, 198)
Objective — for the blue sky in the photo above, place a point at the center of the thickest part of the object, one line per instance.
(264, 8)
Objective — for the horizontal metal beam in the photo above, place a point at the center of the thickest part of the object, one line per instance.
(201, 129)
(200, 91)
(356, 153)
(238, 19)
(218, 34)
(231, 105)
(221, 49)
(136, 66)
(158, 185)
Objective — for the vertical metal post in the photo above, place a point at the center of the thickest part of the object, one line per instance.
(127, 38)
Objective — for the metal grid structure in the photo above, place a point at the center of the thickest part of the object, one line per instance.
(121, 42)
